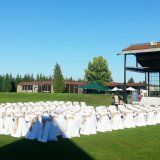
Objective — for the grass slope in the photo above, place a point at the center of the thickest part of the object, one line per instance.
(130, 144)
(90, 99)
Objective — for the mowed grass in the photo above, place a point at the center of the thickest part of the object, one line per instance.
(141, 143)
(130, 144)
(90, 99)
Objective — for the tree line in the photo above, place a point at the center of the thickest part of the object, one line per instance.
(97, 71)
(8, 82)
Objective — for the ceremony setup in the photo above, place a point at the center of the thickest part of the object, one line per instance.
(79, 80)
(45, 121)
(53, 111)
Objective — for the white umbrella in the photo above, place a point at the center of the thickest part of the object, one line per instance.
(131, 89)
(115, 89)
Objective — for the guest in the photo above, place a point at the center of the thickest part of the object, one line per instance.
(139, 97)
(116, 100)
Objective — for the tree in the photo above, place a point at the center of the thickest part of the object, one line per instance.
(50, 78)
(37, 77)
(32, 77)
(58, 80)
(131, 80)
(111, 79)
(1, 81)
(3, 88)
(18, 79)
(6, 83)
(81, 80)
(69, 79)
(98, 71)
(13, 85)
(27, 78)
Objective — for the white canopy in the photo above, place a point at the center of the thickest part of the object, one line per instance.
(131, 89)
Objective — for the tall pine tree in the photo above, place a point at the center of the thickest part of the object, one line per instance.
(58, 80)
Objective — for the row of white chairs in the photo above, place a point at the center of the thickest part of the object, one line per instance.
(70, 123)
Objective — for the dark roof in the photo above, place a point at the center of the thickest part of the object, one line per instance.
(75, 83)
(147, 55)
(35, 83)
(142, 46)
(50, 82)
(111, 84)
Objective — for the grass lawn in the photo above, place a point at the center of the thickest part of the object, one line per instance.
(130, 144)
(90, 99)
(141, 143)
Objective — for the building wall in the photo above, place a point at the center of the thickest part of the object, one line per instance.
(19, 88)
(35, 89)
(69, 89)
(52, 91)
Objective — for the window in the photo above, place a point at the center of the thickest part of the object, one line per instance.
(27, 87)
(46, 88)
(23, 88)
(30, 87)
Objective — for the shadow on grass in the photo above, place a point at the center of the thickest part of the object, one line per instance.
(23, 149)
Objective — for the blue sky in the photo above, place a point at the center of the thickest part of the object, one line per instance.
(35, 34)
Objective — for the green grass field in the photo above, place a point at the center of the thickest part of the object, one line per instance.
(129, 144)
(90, 99)
(141, 143)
